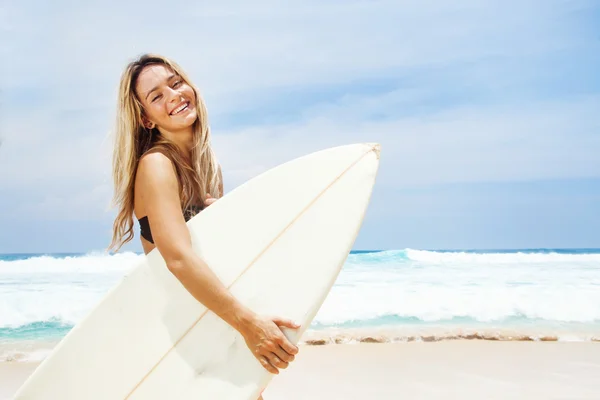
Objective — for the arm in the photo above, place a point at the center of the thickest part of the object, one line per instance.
(156, 184)
(158, 188)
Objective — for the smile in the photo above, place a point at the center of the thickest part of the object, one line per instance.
(181, 108)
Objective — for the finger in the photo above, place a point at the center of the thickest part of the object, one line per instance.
(288, 323)
(277, 361)
(282, 354)
(287, 345)
(267, 365)
(209, 201)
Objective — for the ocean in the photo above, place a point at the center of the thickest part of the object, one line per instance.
(392, 295)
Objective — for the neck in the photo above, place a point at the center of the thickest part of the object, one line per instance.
(183, 140)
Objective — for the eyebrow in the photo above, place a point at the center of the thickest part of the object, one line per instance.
(156, 87)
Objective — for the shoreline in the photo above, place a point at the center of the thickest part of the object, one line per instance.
(465, 369)
(440, 333)
(35, 350)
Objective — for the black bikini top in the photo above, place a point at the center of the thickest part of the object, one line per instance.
(145, 225)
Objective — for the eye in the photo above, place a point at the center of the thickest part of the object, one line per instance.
(156, 97)
(177, 83)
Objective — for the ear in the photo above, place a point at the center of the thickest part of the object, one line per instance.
(147, 123)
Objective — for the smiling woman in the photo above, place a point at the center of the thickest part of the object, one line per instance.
(164, 172)
(161, 120)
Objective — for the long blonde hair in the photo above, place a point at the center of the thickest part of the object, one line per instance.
(196, 179)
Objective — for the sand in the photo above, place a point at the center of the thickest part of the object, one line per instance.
(463, 369)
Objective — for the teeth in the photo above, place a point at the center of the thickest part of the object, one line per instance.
(180, 109)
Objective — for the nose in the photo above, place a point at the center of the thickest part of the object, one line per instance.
(174, 95)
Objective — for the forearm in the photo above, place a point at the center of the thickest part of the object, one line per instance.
(202, 283)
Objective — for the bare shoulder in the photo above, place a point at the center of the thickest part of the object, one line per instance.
(155, 164)
(156, 184)
(157, 197)
(155, 170)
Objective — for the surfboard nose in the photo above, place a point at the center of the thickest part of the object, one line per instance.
(375, 147)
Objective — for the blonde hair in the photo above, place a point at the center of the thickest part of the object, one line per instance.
(196, 179)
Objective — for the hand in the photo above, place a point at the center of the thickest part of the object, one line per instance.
(267, 342)
(209, 200)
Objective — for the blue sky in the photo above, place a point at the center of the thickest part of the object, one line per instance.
(487, 112)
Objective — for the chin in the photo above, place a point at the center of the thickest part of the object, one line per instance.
(190, 119)
(186, 123)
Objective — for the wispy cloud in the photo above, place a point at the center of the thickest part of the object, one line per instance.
(458, 145)
(465, 91)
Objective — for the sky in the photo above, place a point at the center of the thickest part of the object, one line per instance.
(488, 113)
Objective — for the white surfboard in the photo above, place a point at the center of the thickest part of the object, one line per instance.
(277, 242)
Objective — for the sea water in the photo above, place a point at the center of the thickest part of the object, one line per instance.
(393, 295)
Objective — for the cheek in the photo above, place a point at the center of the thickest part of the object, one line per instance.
(190, 93)
(157, 111)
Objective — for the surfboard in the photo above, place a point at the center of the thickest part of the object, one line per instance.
(278, 242)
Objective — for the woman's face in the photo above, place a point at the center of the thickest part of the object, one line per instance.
(169, 102)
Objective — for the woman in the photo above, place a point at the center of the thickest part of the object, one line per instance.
(164, 172)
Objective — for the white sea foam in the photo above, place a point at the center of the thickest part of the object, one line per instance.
(403, 295)
(46, 288)
(397, 287)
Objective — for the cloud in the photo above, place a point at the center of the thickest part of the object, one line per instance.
(455, 92)
(86, 205)
(458, 145)
(464, 144)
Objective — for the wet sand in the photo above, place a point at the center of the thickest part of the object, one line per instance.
(443, 370)
(461, 369)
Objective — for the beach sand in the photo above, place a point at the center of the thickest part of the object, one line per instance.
(461, 369)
